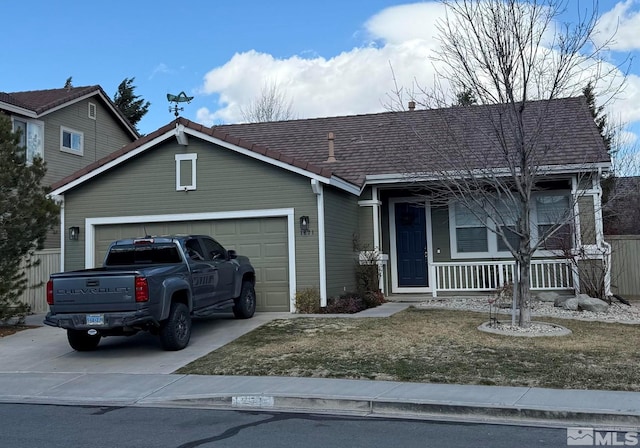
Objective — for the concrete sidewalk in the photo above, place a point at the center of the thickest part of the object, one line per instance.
(335, 396)
(37, 366)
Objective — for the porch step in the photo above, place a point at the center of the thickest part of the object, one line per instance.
(410, 298)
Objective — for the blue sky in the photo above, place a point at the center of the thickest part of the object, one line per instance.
(331, 57)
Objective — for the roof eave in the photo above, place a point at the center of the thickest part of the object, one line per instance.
(397, 178)
(97, 92)
(18, 110)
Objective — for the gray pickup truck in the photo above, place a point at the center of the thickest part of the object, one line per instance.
(151, 284)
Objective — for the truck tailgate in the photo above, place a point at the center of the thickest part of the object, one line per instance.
(103, 292)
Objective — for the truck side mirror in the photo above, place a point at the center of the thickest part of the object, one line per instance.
(231, 254)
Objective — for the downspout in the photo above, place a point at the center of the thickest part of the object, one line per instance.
(63, 232)
(599, 224)
(577, 235)
(317, 188)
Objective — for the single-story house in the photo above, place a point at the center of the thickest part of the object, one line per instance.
(305, 199)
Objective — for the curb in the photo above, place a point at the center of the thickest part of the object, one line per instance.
(397, 409)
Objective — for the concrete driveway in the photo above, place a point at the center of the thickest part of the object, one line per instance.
(45, 349)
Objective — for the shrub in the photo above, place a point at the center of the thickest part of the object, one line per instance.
(308, 301)
(348, 303)
(372, 299)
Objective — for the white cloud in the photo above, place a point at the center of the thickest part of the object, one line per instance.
(161, 68)
(359, 80)
(403, 23)
(621, 25)
(352, 82)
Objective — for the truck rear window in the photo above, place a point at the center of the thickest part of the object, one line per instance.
(143, 254)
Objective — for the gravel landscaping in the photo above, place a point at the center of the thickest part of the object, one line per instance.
(617, 312)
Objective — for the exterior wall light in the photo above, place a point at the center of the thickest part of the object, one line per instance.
(74, 233)
(304, 225)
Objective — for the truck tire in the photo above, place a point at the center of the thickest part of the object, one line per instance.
(245, 304)
(81, 341)
(175, 332)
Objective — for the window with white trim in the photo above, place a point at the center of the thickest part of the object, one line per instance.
(186, 171)
(31, 137)
(553, 214)
(71, 141)
(472, 237)
(471, 231)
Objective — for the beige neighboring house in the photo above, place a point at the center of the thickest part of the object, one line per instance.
(293, 196)
(69, 128)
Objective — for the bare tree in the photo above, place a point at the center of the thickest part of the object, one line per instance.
(506, 53)
(271, 105)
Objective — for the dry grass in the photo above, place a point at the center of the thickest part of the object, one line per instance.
(7, 330)
(439, 346)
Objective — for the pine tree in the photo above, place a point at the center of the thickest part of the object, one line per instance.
(26, 214)
(599, 116)
(132, 106)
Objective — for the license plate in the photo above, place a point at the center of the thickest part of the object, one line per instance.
(95, 319)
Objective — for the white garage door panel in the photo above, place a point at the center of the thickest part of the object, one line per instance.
(263, 240)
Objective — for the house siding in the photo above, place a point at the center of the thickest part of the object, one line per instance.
(365, 237)
(365, 240)
(102, 136)
(341, 223)
(440, 234)
(226, 181)
(587, 220)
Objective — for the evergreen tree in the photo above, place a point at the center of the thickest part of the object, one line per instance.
(132, 106)
(599, 116)
(26, 214)
(466, 98)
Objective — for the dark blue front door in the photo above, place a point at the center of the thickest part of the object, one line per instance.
(411, 245)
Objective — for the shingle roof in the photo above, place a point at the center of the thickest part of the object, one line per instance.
(405, 142)
(430, 140)
(41, 101)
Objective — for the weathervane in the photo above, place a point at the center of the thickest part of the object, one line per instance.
(179, 98)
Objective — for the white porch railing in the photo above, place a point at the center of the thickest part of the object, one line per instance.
(490, 275)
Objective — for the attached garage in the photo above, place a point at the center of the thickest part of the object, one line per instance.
(265, 240)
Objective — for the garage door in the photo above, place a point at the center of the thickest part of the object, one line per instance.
(263, 240)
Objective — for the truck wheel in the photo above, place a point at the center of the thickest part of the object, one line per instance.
(245, 304)
(175, 332)
(81, 341)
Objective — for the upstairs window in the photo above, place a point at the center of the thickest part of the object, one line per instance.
(31, 137)
(71, 141)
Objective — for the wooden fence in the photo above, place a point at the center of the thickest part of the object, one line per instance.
(36, 295)
(625, 264)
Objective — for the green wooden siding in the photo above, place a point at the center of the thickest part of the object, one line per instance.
(587, 219)
(365, 221)
(102, 136)
(226, 181)
(341, 223)
(440, 234)
(365, 228)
